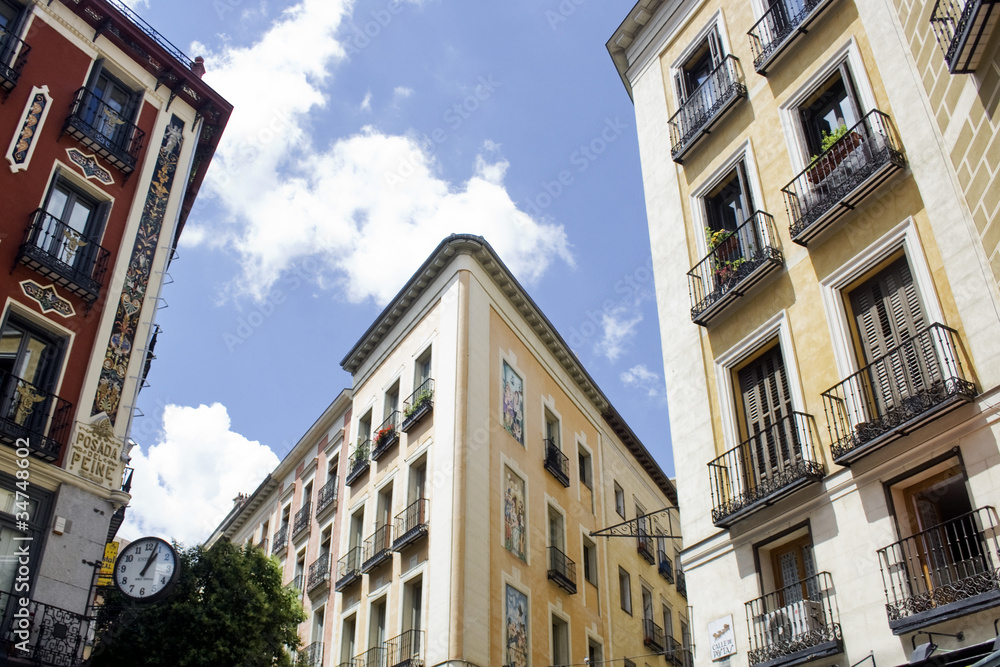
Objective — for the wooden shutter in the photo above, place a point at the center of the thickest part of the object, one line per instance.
(679, 86)
(715, 46)
(766, 402)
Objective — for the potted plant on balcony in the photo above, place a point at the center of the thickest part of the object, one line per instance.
(834, 149)
(727, 258)
(384, 436)
(423, 399)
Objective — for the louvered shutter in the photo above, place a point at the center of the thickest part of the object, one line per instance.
(715, 47)
(766, 403)
(888, 316)
(679, 86)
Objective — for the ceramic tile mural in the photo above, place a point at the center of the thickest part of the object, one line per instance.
(514, 530)
(513, 403)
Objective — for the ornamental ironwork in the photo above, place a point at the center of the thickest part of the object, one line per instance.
(405, 650)
(798, 622)
(28, 411)
(706, 104)
(780, 25)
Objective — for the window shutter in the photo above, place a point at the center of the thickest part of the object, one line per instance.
(766, 402)
(679, 86)
(715, 46)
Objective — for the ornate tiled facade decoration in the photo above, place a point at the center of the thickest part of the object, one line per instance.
(89, 165)
(48, 298)
(113, 374)
(32, 119)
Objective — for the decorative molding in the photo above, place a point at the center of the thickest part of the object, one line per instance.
(123, 331)
(22, 145)
(90, 166)
(48, 298)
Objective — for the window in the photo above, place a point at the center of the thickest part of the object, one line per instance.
(11, 19)
(412, 605)
(595, 652)
(383, 515)
(376, 627)
(557, 530)
(697, 68)
(286, 515)
(112, 107)
(647, 604)
(319, 617)
(625, 590)
(552, 429)
(347, 642)
(589, 561)
(560, 642)
(832, 105)
(586, 468)
(357, 529)
(38, 515)
(391, 400)
(307, 493)
(365, 427)
(418, 480)
(422, 369)
(668, 622)
(729, 203)
(30, 360)
(794, 571)
(298, 580)
(619, 500)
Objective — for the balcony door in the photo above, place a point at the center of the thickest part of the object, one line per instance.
(794, 572)
(887, 315)
(833, 105)
(71, 226)
(29, 365)
(767, 407)
(10, 27)
(727, 206)
(113, 109)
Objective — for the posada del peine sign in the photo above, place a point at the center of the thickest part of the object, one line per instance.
(97, 455)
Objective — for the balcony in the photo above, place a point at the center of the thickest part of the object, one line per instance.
(682, 586)
(759, 471)
(319, 574)
(652, 635)
(311, 656)
(644, 545)
(556, 462)
(280, 540)
(99, 127)
(838, 179)
(348, 569)
(941, 573)
(68, 258)
(411, 524)
(405, 650)
(13, 57)
(262, 545)
(779, 27)
(666, 567)
(358, 463)
(914, 383)
(418, 405)
(562, 570)
(386, 435)
(705, 106)
(796, 624)
(298, 583)
(38, 416)
(52, 636)
(676, 653)
(373, 657)
(378, 548)
(326, 499)
(737, 261)
(302, 520)
(963, 28)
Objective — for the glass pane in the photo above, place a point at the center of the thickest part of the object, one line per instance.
(79, 215)
(57, 203)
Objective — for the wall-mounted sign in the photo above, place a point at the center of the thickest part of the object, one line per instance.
(108, 564)
(723, 638)
(97, 454)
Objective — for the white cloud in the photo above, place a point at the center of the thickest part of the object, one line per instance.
(369, 206)
(366, 104)
(184, 485)
(619, 326)
(642, 377)
(401, 93)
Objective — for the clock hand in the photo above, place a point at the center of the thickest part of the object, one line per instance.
(150, 561)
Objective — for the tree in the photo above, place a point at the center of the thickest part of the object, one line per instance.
(228, 609)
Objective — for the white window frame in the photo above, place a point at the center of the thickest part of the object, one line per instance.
(715, 22)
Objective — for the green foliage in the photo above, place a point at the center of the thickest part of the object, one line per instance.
(828, 140)
(422, 398)
(229, 608)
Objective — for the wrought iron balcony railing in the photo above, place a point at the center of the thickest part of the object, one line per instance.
(411, 523)
(736, 263)
(298, 583)
(98, 126)
(666, 567)
(378, 547)
(562, 570)
(762, 469)
(943, 572)
(405, 650)
(54, 636)
(419, 404)
(262, 545)
(38, 416)
(556, 462)
(674, 652)
(682, 586)
(13, 57)
(705, 106)
(319, 572)
(963, 28)
(915, 382)
(386, 435)
(783, 23)
(64, 255)
(644, 545)
(797, 623)
(359, 461)
(311, 656)
(303, 518)
(348, 569)
(839, 178)
(280, 540)
(652, 635)
(373, 657)
(326, 498)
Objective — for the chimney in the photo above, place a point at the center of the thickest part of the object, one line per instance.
(198, 67)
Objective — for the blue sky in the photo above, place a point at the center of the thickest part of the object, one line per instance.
(364, 133)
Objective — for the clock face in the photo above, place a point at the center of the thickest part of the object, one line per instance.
(146, 569)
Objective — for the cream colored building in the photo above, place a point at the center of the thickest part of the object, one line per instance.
(822, 222)
(479, 457)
